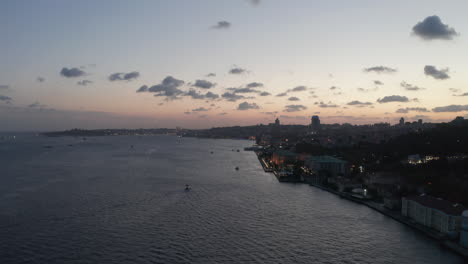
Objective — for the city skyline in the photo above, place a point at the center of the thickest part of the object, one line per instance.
(199, 64)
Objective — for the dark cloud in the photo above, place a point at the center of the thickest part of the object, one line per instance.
(237, 70)
(169, 88)
(294, 108)
(204, 84)
(5, 99)
(463, 94)
(211, 74)
(4, 87)
(433, 28)
(334, 88)
(194, 94)
(72, 72)
(410, 87)
(282, 94)
(243, 90)
(377, 82)
(393, 98)
(411, 109)
(40, 79)
(298, 89)
(210, 95)
(441, 74)
(84, 82)
(293, 98)
(359, 103)
(37, 105)
(232, 97)
(222, 25)
(380, 69)
(121, 76)
(200, 109)
(450, 108)
(254, 2)
(265, 94)
(254, 85)
(247, 106)
(324, 105)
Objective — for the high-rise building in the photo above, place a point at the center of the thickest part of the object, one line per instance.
(402, 121)
(277, 122)
(315, 125)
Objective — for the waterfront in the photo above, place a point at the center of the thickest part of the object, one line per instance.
(69, 200)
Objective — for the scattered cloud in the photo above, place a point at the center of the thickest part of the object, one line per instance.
(254, 85)
(247, 106)
(463, 94)
(37, 105)
(432, 28)
(454, 90)
(194, 94)
(237, 70)
(121, 76)
(377, 82)
(450, 108)
(204, 84)
(169, 88)
(265, 94)
(282, 94)
(359, 103)
(324, 105)
(210, 95)
(294, 108)
(441, 74)
(410, 87)
(84, 82)
(254, 2)
(298, 89)
(4, 87)
(393, 98)
(72, 72)
(5, 99)
(380, 69)
(200, 109)
(334, 88)
(40, 79)
(211, 74)
(232, 97)
(243, 90)
(222, 25)
(411, 109)
(293, 98)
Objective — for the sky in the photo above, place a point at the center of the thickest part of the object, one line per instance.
(210, 63)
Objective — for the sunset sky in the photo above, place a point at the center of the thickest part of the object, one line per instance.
(205, 63)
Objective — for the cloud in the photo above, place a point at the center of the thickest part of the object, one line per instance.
(254, 2)
(211, 74)
(411, 109)
(247, 106)
(450, 108)
(84, 82)
(40, 79)
(293, 98)
(377, 82)
(37, 105)
(200, 109)
(334, 88)
(454, 90)
(72, 72)
(329, 105)
(366, 90)
(222, 25)
(410, 87)
(298, 89)
(380, 69)
(359, 103)
(254, 85)
(243, 90)
(237, 70)
(282, 94)
(5, 99)
(232, 97)
(194, 94)
(463, 94)
(169, 88)
(265, 94)
(4, 87)
(432, 28)
(121, 76)
(435, 73)
(294, 108)
(393, 98)
(204, 84)
(211, 95)
(270, 113)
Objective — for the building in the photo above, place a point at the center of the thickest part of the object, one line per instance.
(315, 124)
(464, 230)
(283, 157)
(435, 213)
(402, 121)
(330, 165)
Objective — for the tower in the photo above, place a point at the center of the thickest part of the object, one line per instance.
(315, 124)
(402, 121)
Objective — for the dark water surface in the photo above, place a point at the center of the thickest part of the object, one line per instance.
(101, 201)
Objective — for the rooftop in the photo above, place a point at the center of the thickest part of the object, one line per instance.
(439, 204)
(328, 159)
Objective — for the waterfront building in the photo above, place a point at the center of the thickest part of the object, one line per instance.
(435, 213)
(283, 157)
(332, 166)
(464, 230)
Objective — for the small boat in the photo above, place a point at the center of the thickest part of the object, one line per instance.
(187, 187)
